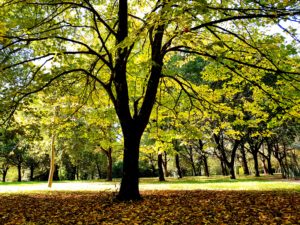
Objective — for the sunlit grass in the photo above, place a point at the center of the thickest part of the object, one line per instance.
(264, 183)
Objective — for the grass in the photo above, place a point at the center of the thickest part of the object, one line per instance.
(264, 183)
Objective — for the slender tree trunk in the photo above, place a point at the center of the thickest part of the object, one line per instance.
(160, 167)
(282, 168)
(31, 172)
(165, 164)
(223, 168)
(108, 155)
(98, 169)
(205, 164)
(270, 169)
(194, 168)
(199, 170)
(52, 162)
(77, 172)
(3, 176)
(4, 173)
(244, 161)
(269, 149)
(56, 172)
(264, 165)
(109, 165)
(152, 166)
(179, 173)
(19, 172)
(231, 170)
(256, 166)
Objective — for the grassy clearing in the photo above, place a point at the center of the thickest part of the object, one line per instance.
(264, 183)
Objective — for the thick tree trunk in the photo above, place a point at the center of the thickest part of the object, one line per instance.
(256, 166)
(205, 164)
(19, 172)
(244, 161)
(160, 167)
(133, 126)
(179, 173)
(129, 189)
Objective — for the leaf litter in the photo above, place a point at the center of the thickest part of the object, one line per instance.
(157, 207)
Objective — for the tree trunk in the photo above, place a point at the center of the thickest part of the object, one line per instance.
(3, 176)
(98, 169)
(194, 168)
(52, 162)
(77, 172)
(269, 149)
(129, 189)
(4, 173)
(152, 166)
(231, 171)
(206, 170)
(19, 172)
(199, 168)
(133, 126)
(282, 168)
(31, 172)
(179, 173)
(223, 168)
(160, 167)
(56, 172)
(108, 153)
(256, 167)
(165, 164)
(109, 165)
(264, 165)
(244, 161)
(270, 169)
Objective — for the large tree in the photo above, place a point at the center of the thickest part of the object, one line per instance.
(121, 46)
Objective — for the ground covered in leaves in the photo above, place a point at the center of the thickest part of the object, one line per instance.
(157, 207)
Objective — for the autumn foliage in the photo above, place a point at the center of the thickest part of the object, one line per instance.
(157, 207)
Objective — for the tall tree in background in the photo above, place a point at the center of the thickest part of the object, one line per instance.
(121, 46)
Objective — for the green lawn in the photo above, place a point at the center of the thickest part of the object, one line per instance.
(264, 183)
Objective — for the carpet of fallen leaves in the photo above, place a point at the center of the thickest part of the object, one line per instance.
(157, 207)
